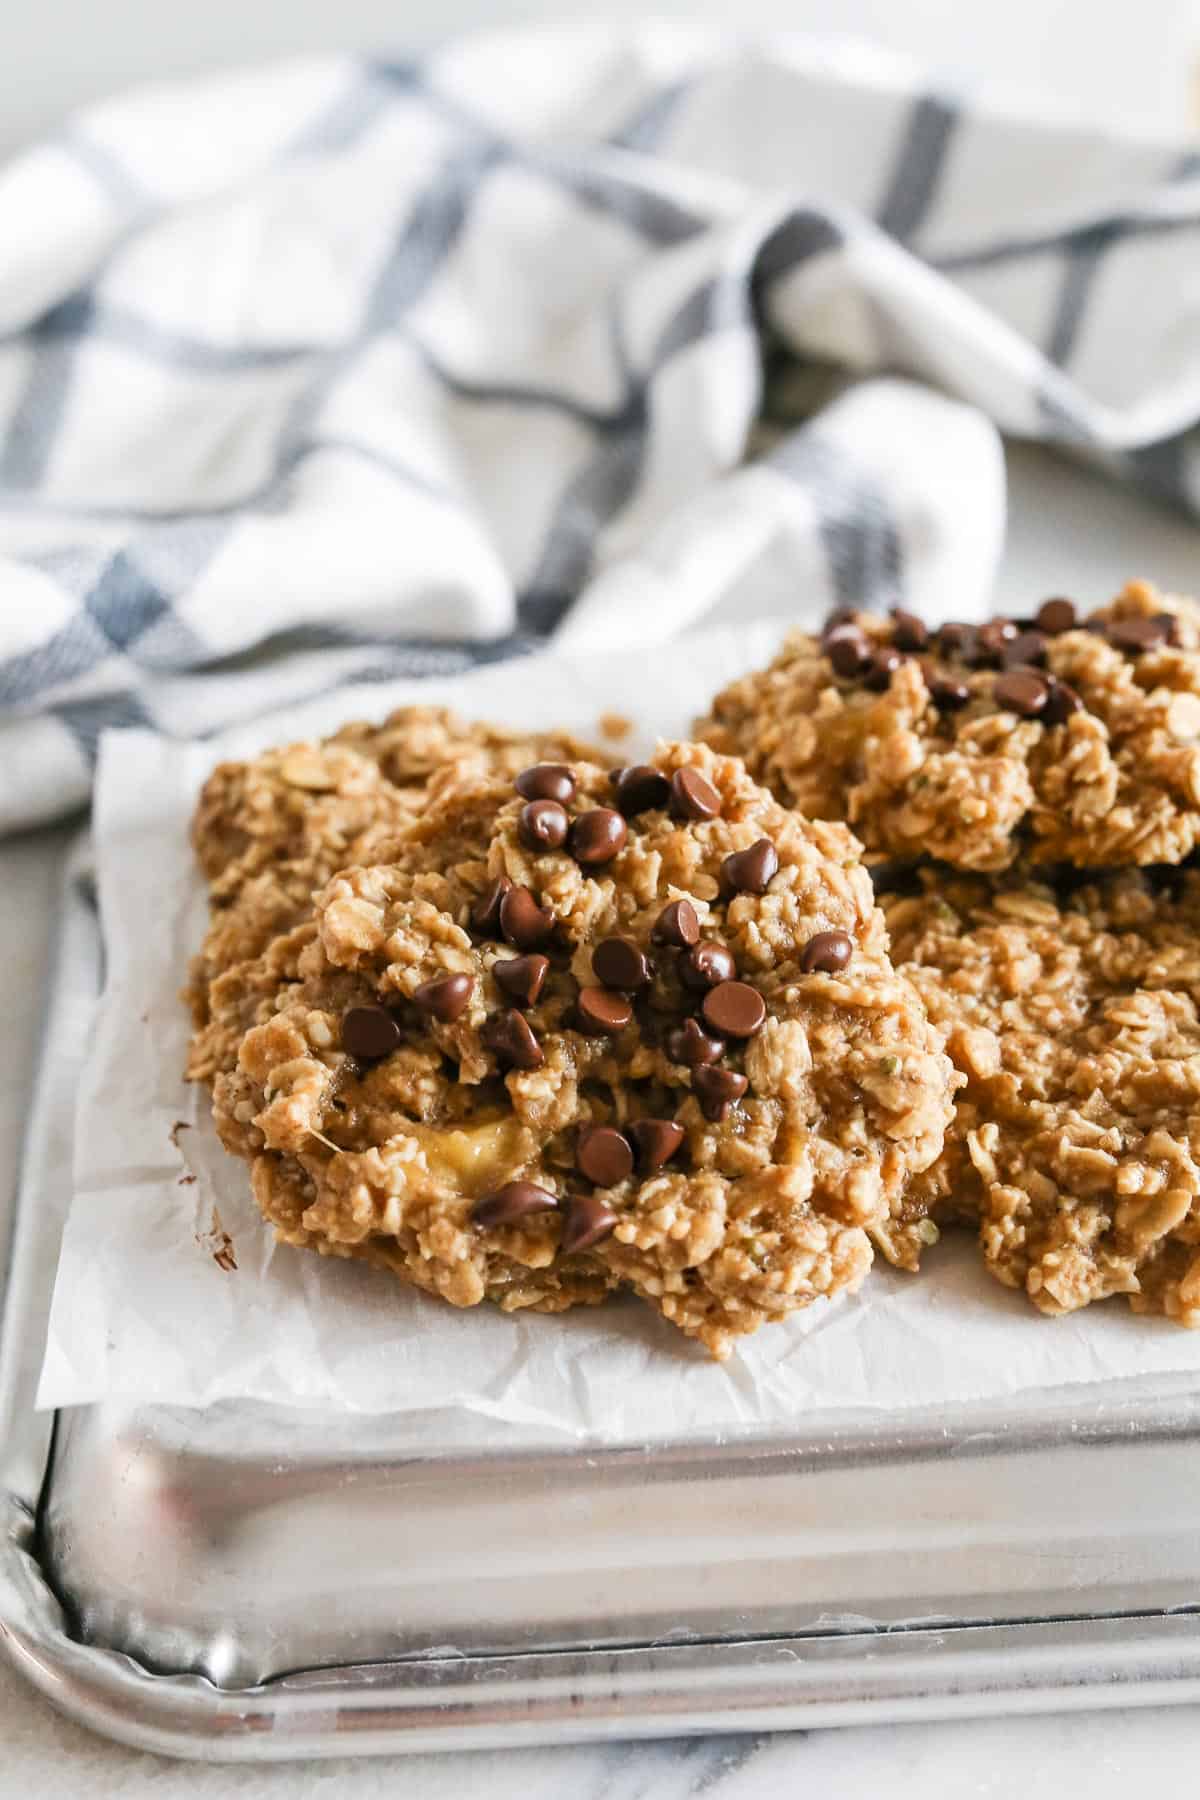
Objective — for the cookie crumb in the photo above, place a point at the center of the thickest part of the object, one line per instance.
(614, 725)
(218, 1244)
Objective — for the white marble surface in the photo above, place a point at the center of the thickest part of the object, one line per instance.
(1069, 533)
(1053, 1758)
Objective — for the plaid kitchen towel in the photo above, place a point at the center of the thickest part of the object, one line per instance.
(345, 369)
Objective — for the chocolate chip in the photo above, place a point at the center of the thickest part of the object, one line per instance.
(735, 1009)
(543, 825)
(485, 914)
(588, 1221)
(1137, 634)
(908, 631)
(446, 997)
(692, 1046)
(993, 639)
(1022, 691)
(604, 1155)
(959, 640)
(524, 923)
(642, 789)
(998, 630)
(614, 776)
(706, 966)
(1062, 702)
(620, 963)
(1057, 615)
(546, 781)
(509, 1036)
(827, 952)
(841, 615)
(515, 1200)
(1028, 647)
(657, 1141)
(520, 978)
(883, 666)
(890, 876)
(750, 871)
(601, 1013)
(716, 1090)
(677, 924)
(369, 1032)
(848, 650)
(692, 797)
(597, 836)
(947, 694)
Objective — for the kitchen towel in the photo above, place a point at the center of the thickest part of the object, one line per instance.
(350, 368)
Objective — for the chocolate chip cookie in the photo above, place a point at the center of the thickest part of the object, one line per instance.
(1073, 1018)
(1049, 740)
(584, 1031)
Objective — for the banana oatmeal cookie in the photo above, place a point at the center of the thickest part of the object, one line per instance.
(1050, 740)
(269, 832)
(581, 1032)
(1074, 1019)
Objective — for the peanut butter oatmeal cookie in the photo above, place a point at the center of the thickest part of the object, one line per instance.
(269, 832)
(1048, 740)
(1074, 1020)
(582, 1032)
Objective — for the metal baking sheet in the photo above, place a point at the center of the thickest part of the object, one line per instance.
(260, 1582)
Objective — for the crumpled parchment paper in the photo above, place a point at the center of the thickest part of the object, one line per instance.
(171, 1288)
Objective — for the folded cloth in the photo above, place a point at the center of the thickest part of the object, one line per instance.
(346, 368)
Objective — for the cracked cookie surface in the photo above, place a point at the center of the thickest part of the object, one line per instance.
(1048, 740)
(1076, 1140)
(574, 1036)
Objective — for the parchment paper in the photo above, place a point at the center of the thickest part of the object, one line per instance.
(170, 1286)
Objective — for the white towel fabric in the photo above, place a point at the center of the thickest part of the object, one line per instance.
(346, 369)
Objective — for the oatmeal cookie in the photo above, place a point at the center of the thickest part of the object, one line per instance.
(1074, 1019)
(269, 832)
(1048, 740)
(583, 1032)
